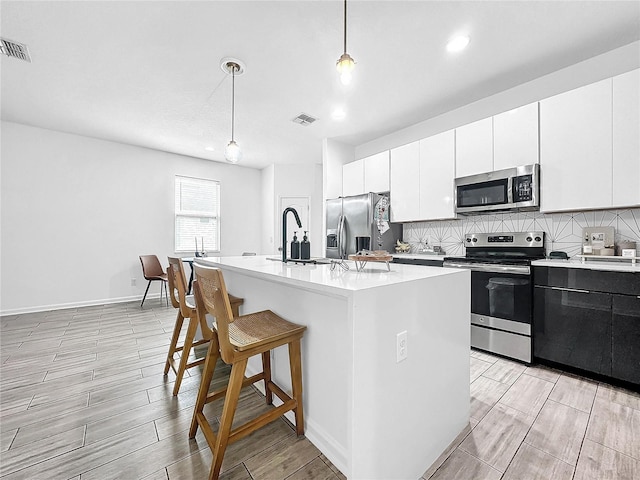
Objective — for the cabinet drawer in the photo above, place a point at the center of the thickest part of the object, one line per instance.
(625, 283)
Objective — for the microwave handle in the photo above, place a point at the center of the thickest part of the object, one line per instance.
(510, 190)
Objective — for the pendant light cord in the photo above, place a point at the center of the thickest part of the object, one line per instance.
(345, 26)
(233, 98)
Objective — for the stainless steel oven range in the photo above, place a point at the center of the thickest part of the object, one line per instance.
(501, 290)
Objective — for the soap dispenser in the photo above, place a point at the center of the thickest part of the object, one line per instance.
(305, 248)
(295, 247)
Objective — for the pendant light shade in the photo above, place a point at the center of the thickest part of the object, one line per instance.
(345, 63)
(232, 152)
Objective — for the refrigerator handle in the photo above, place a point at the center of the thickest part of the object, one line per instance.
(341, 246)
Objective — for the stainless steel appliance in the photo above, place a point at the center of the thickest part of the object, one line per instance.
(501, 290)
(359, 216)
(516, 189)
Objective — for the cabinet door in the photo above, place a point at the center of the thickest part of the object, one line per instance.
(626, 139)
(353, 178)
(573, 328)
(405, 183)
(515, 137)
(474, 148)
(376, 173)
(626, 338)
(437, 172)
(575, 149)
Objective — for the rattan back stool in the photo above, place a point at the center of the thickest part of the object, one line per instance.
(240, 338)
(186, 309)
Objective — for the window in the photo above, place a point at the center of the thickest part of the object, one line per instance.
(197, 214)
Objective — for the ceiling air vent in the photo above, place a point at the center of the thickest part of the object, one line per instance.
(304, 119)
(15, 49)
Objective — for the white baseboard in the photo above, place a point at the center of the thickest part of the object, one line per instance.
(88, 303)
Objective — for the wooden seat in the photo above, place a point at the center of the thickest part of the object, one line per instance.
(186, 309)
(238, 339)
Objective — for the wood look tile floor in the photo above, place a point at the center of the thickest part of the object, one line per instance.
(83, 396)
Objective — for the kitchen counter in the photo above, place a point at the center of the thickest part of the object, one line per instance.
(373, 416)
(613, 265)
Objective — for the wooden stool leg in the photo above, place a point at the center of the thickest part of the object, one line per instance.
(184, 356)
(174, 341)
(295, 364)
(266, 368)
(226, 419)
(207, 374)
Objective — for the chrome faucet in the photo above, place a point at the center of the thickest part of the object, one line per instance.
(284, 229)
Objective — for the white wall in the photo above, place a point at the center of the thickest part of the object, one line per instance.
(334, 155)
(292, 181)
(597, 68)
(76, 213)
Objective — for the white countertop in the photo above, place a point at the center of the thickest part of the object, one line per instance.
(321, 277)
(612, 265)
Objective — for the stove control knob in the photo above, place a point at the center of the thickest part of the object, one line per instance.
(475, 240)
(538, 239)
(469, 240)
(529, 239)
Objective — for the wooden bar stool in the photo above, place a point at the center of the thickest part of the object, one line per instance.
(240, 338)
(186, 309)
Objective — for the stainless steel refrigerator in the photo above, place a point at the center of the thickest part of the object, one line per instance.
(360, 216)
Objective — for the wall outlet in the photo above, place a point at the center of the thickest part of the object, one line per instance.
(133, 282)
(401, 346)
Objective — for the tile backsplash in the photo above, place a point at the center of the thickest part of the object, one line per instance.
(563, 231)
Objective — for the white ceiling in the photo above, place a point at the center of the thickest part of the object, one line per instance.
(148, 73)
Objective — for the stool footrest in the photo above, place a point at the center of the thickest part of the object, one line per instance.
(222, 391)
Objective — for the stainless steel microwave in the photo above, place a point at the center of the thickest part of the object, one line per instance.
(515, 189)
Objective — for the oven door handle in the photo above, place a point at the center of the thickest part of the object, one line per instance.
(491, 268)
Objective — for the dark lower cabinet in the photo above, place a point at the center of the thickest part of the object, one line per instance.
(589, 320)
(573, 328)
(625, 343)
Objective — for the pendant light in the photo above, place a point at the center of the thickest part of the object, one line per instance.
(345, 64)
(233, 67)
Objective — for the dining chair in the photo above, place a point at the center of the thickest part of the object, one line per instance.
(186, 310)
(238, 339)
(152, 271)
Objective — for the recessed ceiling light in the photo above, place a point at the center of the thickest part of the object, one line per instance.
(338, 113)
(458, 43)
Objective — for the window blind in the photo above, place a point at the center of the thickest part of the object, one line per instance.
(197, 214)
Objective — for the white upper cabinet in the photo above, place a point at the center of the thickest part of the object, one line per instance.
(437, 172)
(405, 183)
(575, 149)
(515, 137)
(626, 139)
(474, 148)
(353, 178)
(376, 173)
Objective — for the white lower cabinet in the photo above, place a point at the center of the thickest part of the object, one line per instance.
(626, 139)
(575, 149)
(405, 183)
(437, 173)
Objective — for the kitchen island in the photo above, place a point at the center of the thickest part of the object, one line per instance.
(374, 415)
